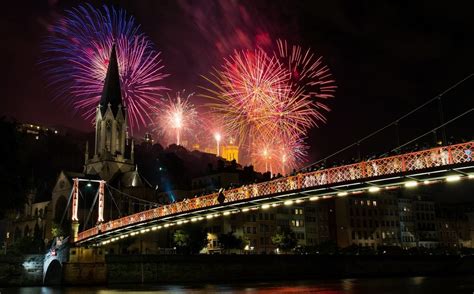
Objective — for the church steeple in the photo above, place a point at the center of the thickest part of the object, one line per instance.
(110, 127)
(111, 94)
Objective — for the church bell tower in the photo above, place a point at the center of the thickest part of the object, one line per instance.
(110, 128)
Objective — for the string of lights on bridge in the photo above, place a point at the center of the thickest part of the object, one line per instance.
(375, 189)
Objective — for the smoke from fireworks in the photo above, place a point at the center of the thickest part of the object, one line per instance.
(176, 118)
(77, 57)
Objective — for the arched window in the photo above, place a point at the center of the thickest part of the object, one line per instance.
(37, 232)
(118, 138)
(108, 135)
(97, 137)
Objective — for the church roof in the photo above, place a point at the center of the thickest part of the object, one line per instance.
(133, 179)
(70, 174)
(111, 94)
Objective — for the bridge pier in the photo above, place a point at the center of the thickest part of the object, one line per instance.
(75, 230)
(86, 266)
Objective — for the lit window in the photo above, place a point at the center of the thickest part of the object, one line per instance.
(297, 223)
(298, 211)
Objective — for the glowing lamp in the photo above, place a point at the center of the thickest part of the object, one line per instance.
(288, 202)
(374, 189)
(453, 178)
(411, 184)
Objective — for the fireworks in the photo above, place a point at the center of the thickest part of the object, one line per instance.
(271, 101)
(246, 88)
(176, 118)
(307, 73)
(77, 57)
(278, 154)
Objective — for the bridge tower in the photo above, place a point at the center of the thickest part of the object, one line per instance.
(75, 206)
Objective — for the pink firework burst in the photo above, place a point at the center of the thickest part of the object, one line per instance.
(309, 74)
(77, 56)
(243, 89)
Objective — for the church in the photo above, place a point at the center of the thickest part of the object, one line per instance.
(111, 160)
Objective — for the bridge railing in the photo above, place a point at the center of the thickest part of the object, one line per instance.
(430, 158)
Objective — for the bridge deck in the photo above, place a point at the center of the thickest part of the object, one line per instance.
(430, 160)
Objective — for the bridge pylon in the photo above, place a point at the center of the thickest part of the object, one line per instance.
(75, 230)
(75, 205)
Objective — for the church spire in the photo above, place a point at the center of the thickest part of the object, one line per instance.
(111, 94)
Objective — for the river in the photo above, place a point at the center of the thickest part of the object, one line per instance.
(432, 285)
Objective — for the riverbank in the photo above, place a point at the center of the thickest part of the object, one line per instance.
(167, 269)
(431, 285)
(26, 270)
(238, 268)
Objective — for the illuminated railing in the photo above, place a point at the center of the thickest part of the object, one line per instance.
(430, 158)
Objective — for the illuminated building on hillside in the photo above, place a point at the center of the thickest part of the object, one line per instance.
(228, 151)
(148, 138)
(36, 130)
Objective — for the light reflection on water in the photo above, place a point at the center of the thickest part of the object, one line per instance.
(431, 285)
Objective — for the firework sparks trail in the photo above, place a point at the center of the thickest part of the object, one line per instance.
(77, 56)
(245, 88)
(278, 154)
(211, 125)
(309, 76)
(176, 118)
(271, 102)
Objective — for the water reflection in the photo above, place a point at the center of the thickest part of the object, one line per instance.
(432, 285)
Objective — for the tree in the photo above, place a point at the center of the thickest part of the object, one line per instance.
(285, 239)
(197, 238)
(327, 247)
(190, 240)
(351, 250)
(230, 241)
(56, 230)
(181, 239)
(26, 245)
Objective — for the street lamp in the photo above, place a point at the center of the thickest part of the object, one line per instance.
(217, 136)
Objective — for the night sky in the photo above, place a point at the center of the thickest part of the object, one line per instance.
(387, 58)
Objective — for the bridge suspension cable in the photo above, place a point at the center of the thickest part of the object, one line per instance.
(133, 197)
(67, 207)
(92, 208)
(433, 130)
(395, 122)
(115, 203)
